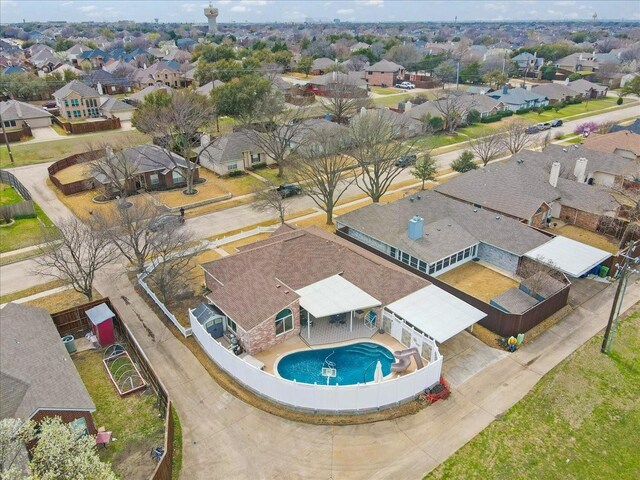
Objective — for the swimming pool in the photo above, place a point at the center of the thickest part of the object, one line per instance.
(355, 363)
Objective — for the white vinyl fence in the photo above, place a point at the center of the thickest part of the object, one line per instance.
(326, 398)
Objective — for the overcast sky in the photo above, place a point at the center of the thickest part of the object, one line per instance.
(289, 10)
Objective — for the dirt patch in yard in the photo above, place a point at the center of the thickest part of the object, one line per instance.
(479, 281)
(74, 173)
(207, 190)
(594, 239)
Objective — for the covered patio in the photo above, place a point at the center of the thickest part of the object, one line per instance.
(335, 310)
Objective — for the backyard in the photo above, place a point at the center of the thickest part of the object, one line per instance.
(478, 280)
(580, 421)
(586, 236)
(133, 420)
(24, 232)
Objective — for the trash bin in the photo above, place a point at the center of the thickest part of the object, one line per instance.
(70, 343)
(604, 272)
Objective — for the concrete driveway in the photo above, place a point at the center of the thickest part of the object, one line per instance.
(44, 134)
(466, 356)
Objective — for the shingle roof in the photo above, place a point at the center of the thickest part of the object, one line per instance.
(385, 66)
(515, 300)
(610, 142)
(113, 104)
(259, 282)
(140, 96)
(37, 372)
(322, 63)
(207, 87)
(450, 226)
(228, 147)
(78, 87)
(554, 91)
(516, 96)
(15, 110)
(584, 86)
(633, 128)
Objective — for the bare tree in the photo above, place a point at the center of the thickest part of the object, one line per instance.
(273, 126)
(376, 146)
(175, 125)
(114, 170)
(74, 253)
(173, 264)
(454, 109)
(270, 200)
(324, 171)
(515, 136)
(487, 147)
(130, 228)
(628, 200)
(538, 274)
(344, 97)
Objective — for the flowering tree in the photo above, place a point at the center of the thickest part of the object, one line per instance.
(586, 127)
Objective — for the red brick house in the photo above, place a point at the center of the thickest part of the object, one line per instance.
(37, 376)
(384, 72)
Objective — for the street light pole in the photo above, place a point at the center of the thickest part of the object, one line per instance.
(627, 268)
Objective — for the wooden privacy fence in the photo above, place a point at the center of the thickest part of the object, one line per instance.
(11, 179)
(75, 321)
(87, 127)
(23, 209)
(77, 186)
(17, 135)
(502, 323)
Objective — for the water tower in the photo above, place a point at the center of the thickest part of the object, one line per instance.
(211, 14)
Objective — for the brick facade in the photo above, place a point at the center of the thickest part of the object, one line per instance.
(264, 336)
(388, 78)
(579, 218)
(499, 258)
(539, 220)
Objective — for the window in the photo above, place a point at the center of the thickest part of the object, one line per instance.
(68, 114)
(413, 261)
(467, 252)
(231, 325)
(405, 257)
(154, 179)
(422, 266)
(255, 158)
(393, 252)
(284, 321)
(10, 123)
(177, 176)
(460, 256)
(77, 114)
(232, 166)
(432, 268)
(66, 103)
(75, 102)
(439, 266)
(445, 264)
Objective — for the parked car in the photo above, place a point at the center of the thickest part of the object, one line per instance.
(544, 126)
(405, 85)
(532, 129)
(288, 190)
(556, 123)
(406, 160)
(165, 221)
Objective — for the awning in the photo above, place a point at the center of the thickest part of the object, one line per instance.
(571, 257)
(334, 295)
(436, 312)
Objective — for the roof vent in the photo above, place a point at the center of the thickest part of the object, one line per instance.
(475, 209)
(576, 146)
(412, 199)
(520, 161)
(418, 197)
(277, 285)
(286, 291)
(497, 217)
(565, 150)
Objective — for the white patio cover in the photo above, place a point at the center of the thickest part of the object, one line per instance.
(334, 295)
(568, 256)
(436, 312)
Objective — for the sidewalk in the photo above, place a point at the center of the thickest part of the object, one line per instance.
(248, 443)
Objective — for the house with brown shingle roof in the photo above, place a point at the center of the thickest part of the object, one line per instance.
(280, 287)
(623, 143)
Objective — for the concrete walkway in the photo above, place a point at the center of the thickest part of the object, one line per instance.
(225, 438)
(35, 296)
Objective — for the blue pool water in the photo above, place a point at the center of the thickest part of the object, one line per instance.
(350, 361)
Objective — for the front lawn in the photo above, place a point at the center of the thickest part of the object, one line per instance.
(8, 195)
(582, 420)
(133, 420)
(30, 153)
(24, 232)
(437, 141)
(572, 110)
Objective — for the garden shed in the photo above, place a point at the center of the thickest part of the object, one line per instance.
(101, 318)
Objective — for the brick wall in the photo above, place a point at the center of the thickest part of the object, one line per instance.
(579, 218)
(264, 337)
(539, 219)
(497, 257)
(378, 78)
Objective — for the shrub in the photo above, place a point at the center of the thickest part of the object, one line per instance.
(619, 101)
(235, 173)
(522, 111)
(435, 124)
(546, 108)
(505, 113)
(473, 116)
(258, 166)
(491, 119)
(464, 162)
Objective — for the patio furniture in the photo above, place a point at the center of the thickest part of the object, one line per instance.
(103, 438)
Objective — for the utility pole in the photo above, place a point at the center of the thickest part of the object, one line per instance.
(627, 268)
(458, 75)
(6, 140)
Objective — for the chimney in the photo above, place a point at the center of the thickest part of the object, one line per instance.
(407, 106)
(363, 110)
(529, 87)
(99, 88)
(109, 151)
(566, 81)
(580, 170)
(505, 90)
(555, 173)
(416, 227)
(580, 57)
(205, 140)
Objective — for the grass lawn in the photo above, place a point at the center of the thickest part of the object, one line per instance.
(392, 100)
(27, 292)
(24, 232)
(585, 236)
(386, 91)
(8, 195)
(29, 153)
(580, 421)
(62, 300)
(133, 420)
(430, 142)
(271, 174)
(571, 110)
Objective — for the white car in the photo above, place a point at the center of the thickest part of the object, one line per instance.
(405, 85)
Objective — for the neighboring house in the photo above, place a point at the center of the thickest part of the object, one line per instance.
(314, 126)
(138, 97)
(16, 114)
(633, 128)
(229, 153)
(528, 61)
(113, 107)
(108, 83)
(479, 89)
(155, 168)
(384, 72)
(359, 46)
(484, 104)
(75, 52)
(515, 99)
(405, 125)
(338, 83)
(627, 78)
(96, 58)
(164, 73)
(448, 233)
(572, 184)
(623, 143)
(77, 101)
(13, 70)
(295, 278)
(320, 66)
(578, 62)
(207, 87)
(555, 92)
(588, 89)
(37, 376)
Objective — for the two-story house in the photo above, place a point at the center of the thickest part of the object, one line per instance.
(384, 72)
(77, 101)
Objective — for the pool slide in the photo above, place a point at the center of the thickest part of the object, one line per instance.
(403, 359)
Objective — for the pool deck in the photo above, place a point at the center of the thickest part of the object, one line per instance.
(270, 356)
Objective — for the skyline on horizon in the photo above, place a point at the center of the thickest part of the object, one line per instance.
(285, 11)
